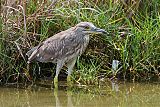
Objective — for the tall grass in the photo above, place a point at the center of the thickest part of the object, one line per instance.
(133, 37)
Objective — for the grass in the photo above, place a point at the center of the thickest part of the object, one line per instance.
(133, 38)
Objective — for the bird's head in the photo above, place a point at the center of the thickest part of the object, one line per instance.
(89, 28)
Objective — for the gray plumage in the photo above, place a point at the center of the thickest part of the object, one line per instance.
(64, 47)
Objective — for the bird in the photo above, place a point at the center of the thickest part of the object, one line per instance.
(64, 48)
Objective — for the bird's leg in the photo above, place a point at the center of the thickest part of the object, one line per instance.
(56, 82)
(58, 68)
(70, 66)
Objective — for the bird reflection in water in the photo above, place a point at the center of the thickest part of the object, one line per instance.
(68, 95)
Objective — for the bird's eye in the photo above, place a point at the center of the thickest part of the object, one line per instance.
(86, 27)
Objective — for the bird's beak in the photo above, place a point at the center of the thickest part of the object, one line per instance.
(98, 30)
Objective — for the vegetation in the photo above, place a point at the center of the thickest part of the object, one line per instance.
(133, 39)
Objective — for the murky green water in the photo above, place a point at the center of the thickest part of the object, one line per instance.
(113, 95)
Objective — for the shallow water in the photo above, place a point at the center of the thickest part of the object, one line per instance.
(111, 95)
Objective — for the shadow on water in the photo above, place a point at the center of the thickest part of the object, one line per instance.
(111, 95)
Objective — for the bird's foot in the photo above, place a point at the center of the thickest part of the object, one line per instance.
(69, 81)
(56, 82)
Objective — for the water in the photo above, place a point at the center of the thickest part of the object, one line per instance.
(111, 95)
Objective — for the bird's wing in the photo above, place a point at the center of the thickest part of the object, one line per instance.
(58, 47)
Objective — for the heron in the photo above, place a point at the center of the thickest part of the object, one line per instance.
(64, 47)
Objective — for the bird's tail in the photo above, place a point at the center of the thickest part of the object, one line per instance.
(29, 53)
(33, 53)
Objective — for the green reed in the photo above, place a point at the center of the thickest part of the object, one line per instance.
(133, 38)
